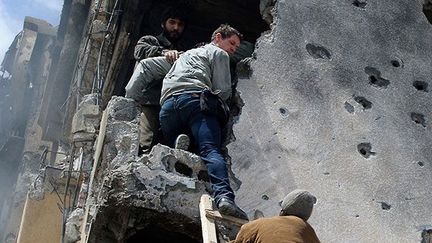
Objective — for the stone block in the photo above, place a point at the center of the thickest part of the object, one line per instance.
(86, 120)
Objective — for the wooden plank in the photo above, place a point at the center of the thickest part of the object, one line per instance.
(208, 225)
(99, 145)
(213, 214)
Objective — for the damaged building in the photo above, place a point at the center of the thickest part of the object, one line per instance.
(334, 99)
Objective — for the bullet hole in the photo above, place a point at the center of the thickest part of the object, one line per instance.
(183, 169)
(426, 236)
(326, 173)
(385, 206)
(421, 86)
(318, 52)
(378, 81)
(418, 118)
(258, 214)
(203, 176)
(363, 102)
(359, 3)
(357, 215)
(375, 78)
(421, 164)
(365, 150)
(395, 63)
(349, 107)
(265, 197)
(283, 111)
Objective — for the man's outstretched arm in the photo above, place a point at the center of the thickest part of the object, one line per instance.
(147, 46)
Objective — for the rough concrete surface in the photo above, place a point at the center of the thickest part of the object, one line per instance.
(86, 119)
(72, 233)
(165, 185)
(339, 104)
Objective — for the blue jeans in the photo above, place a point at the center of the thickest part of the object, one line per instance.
(182, 114)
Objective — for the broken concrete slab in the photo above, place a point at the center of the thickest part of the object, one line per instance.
(72, 233)
(86, 120)
(164, 182)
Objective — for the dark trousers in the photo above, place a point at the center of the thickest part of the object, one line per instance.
(149, 127)
(182, 113)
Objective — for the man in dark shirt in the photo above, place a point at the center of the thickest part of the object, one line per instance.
(146, 82)
(166, 43)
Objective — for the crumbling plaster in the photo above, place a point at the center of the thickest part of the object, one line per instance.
(165, 181)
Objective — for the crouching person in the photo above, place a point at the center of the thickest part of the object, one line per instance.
(289, 227)
(193, 99)
(155, 56)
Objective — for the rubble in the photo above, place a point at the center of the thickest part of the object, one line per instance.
(164, 182)
(72, 232)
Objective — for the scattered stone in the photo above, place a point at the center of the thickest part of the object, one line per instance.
(72, 228)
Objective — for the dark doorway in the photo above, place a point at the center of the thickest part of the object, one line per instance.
(204, 18)
(155, 234)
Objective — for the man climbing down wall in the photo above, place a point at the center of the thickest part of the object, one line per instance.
(193, 99)
(146, 82)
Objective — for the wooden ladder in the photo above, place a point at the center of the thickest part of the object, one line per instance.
(209, 216)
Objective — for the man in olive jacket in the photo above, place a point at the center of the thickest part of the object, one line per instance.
(154, 56)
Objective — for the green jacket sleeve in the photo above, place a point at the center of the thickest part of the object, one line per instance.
(147, 46)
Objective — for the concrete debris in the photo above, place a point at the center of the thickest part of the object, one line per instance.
(86, 120)
(99, 29)
(166, 181)
(29, 177)
(266, 10)
(146, 181)
(72, 228)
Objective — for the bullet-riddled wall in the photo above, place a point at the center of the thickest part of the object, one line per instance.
(339, 103)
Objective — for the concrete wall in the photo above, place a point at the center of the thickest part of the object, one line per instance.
(21, 156)
(41, 220)
(307, 122)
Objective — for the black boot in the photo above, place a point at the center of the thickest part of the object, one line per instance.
(228, 207)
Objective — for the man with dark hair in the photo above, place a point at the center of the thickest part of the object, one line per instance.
(146, 82)
(173, 23)
(193, 96)
(290, 226)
